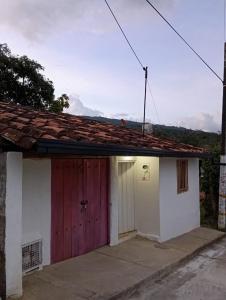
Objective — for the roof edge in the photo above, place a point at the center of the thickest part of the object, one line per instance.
(81, 148)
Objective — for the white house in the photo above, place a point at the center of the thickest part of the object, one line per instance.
(69, 185)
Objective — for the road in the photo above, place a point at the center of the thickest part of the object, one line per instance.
(202, 278)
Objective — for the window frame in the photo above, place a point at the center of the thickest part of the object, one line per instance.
(182, 176)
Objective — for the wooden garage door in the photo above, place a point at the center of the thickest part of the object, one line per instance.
(79, 206)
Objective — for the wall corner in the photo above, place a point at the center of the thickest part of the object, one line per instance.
(13, 238)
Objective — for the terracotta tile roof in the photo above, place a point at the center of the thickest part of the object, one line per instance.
(25, 127)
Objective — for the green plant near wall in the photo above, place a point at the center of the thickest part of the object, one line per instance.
(209, 184)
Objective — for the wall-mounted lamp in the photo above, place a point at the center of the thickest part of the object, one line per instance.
(126, 158)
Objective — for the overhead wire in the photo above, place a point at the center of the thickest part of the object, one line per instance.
(121, 29)
(153, 101)
(183, 39)
(136, 56)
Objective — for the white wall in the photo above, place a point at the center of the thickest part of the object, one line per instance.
(146, 198)
(36, 210)
(14, 224)
(113, 201)
(127, 197)
(179, 213)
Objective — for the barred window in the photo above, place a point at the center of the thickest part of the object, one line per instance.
(182, 175)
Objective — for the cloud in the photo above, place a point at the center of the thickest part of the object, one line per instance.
(78, 108)
(203, 121)
(128, 117)
(120, 116)
(36, 19)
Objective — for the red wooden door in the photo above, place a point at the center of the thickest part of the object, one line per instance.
(95, 195)
(79, 206)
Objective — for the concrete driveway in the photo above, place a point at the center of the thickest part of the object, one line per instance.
(202, 278)
(114, 272)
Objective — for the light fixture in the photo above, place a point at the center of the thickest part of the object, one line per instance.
(126, 158)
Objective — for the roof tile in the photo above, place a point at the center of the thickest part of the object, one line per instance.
(24, 127)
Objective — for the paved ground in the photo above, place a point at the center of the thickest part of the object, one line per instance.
(203, 278)
(112, 271)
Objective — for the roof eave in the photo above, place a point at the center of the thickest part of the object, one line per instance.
(80, 148)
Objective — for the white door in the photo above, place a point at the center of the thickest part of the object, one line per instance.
(126, 197)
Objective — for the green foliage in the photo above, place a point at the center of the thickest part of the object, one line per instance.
(197, 138)
(209, 184)
(22, 82)
(60, 103)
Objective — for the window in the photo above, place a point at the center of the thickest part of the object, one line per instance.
(182, 176)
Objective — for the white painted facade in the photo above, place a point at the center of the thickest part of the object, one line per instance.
(179, 213)
(126, 208)
(14, 171)
(113, 201)
(146, 198)
(36, 212)
(159, 212)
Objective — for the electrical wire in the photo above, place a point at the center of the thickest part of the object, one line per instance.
(139, 61)
(183, 39)
(121, 29)
(153, 101)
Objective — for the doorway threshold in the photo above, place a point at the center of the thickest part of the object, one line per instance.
(126, 236)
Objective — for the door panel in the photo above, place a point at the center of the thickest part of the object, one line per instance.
(67, 206)
(103, 218)
(57, 230)
(97, 210)
(127, 196)
(78, 240)
(79, 206)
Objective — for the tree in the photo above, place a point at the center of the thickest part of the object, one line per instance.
(22, 82)
(210, 186)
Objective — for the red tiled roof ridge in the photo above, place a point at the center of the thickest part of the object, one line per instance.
(64, 114)
(25, 126)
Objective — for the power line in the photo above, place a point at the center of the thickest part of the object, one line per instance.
(128, 42)
(153, 100)
(145, 69)
(139, 61)
(181, 37)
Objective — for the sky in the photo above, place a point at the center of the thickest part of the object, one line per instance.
(85, 55)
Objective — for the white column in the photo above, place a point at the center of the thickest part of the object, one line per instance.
(14, 224)
(222, 194)
(114, 201)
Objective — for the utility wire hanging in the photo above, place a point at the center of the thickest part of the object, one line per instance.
(128, 42)
(183, 39)
(153, 100)
(145, 69)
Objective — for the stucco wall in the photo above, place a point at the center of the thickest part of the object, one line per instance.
(179, 213)
(113, 201)
(36, 210)
(147, 198)
(13, 224)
